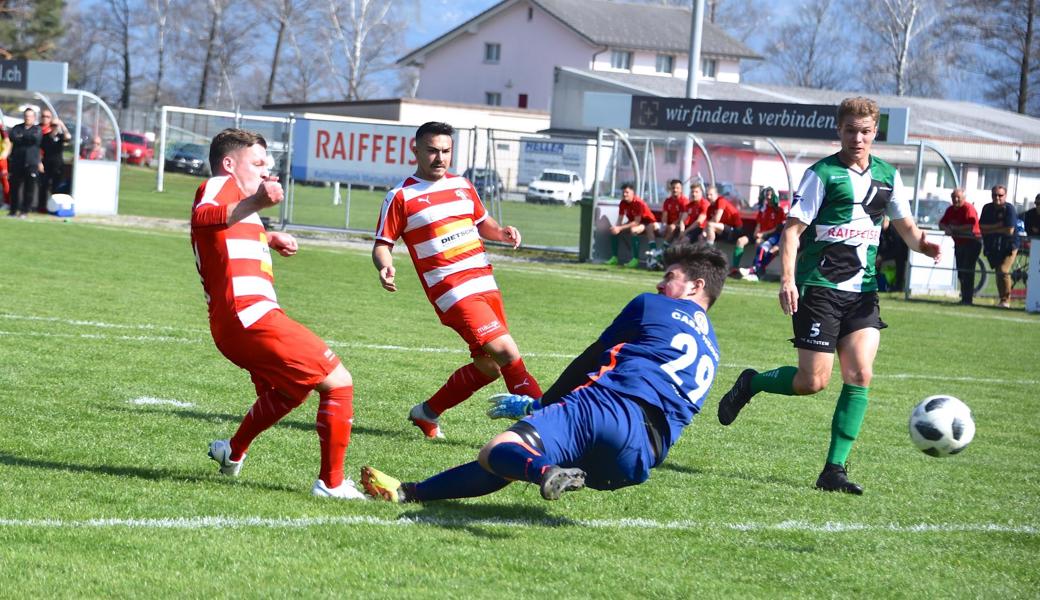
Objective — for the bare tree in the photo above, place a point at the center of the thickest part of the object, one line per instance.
(161, 12)
(743, 19)
(362, 41)
(284, 14)
(804, 51)
(116, 24)
(1003, 46)
(891, 38)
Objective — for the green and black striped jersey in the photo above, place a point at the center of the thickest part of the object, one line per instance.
(844, 209)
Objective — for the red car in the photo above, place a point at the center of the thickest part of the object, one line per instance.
(137, 150)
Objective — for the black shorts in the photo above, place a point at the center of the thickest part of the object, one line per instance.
(826, 315)
(730, 234)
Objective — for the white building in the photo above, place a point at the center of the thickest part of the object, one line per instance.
(505, 55)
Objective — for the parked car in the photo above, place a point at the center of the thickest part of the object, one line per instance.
(556, 185)
(929, 211)
(487, 181)
(136, 148)
(189, 158)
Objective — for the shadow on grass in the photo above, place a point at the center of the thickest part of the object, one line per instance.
(13, 460)
(287, 423)
(457, 515)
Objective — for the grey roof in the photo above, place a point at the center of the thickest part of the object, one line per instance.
(929, 117)
(619, 25)
(642, 27)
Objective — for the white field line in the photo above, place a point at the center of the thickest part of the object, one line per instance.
(148, 400)
(218, 522)
(201, 336)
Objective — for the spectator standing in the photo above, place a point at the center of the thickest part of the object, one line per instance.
(24, 163)
(961, 222)
(673, 213)
(696, 213)
(634, 218)
(999, 242)
(1032, 219)
(55, 136)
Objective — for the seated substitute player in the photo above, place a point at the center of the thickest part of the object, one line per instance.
(724, 223)
(696, 213)
(441, 219)
(615, 411)
(673, 213)
(770, 222)
(829, 289)
(285, 360)
(634, 218)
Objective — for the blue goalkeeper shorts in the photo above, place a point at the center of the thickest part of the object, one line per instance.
(600, 432)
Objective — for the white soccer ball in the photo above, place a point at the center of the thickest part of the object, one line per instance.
(941, 425)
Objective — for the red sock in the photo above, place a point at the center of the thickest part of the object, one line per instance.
(519, 380)
(461, 385)
(268, 409)
(335, 418)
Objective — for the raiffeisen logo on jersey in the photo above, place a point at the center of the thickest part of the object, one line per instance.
(843, 233)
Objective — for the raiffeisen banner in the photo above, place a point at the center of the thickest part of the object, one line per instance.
(351, 152)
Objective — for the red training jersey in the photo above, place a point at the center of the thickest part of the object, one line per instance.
(694, 209)
(234, 262)
(962, 215)
(672, 208)
(637, 208)
(730, 214)
(438, 221)
(771, 217)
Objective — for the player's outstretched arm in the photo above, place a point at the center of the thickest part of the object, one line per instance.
(916, 239)
(489, 229)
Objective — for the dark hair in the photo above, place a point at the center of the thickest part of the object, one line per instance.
(673, 182)
(228, 141)
(433, 128)
(700, 261)
(627, 186)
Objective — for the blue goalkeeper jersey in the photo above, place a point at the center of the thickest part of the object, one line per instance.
(663, 352)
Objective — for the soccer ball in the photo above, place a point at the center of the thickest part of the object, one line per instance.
(941, 426)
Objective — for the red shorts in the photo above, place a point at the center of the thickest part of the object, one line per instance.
(279, 353)
(478, 319)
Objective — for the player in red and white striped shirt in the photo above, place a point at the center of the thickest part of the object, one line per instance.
(285, 360)
(441, 220)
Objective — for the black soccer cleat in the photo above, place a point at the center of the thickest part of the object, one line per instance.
(834, 478)
(737, 396)
(558, 480)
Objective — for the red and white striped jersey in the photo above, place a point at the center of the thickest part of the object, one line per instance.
(438, 221)
(234, 262)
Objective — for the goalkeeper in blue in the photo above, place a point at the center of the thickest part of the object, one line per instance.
(617, 408)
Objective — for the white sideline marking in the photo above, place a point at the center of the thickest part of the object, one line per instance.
(145, 400)
(201, 336)
(217, 522)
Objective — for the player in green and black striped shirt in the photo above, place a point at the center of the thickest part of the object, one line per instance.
(828, 283)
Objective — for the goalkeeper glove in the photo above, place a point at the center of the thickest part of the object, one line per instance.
(512, 406)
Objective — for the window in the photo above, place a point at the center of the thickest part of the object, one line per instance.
(620, 59)
(991, 176)
(493, 98)
(671, 156)
(521, 101)
(943, 177)
(708, 67)
(492, 52)
(665, 63)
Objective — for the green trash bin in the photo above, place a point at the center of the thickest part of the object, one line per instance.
(585, 229)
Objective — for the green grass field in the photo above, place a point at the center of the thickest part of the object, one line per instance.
(106, 495)
(541, 225)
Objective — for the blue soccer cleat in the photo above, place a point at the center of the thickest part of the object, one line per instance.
(511, 406)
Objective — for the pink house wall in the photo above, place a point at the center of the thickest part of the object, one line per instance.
(456, 71)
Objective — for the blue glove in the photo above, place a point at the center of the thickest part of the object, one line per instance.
(511, 406)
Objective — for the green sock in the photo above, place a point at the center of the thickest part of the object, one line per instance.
(737, 253)
(635, 247)
(653, 245)
(613, 245)
(848, 417)
(778, 381)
